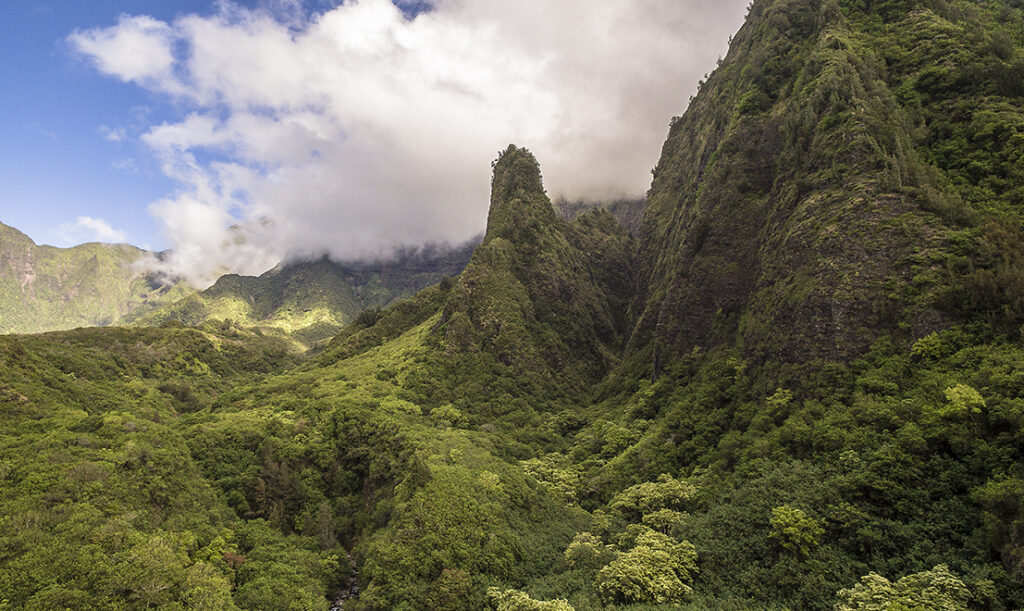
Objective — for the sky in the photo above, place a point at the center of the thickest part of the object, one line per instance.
(236, 134)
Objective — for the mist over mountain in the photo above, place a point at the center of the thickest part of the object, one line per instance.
(359, 128)
(309, 301)
(43, 288)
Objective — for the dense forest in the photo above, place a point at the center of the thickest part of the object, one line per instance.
(798, 383)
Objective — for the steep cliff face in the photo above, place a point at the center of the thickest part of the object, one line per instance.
(628, 212)
(43, 288)
(543, 294)
(800, 208)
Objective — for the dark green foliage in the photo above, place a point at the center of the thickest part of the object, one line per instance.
(541, 293)
(849, 135)
(628, 212)
(798, 385)
(988, 278)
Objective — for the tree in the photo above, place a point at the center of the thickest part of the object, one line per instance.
(795, 530)
(648, 497)
(963, 400)
(584, 550)
(514, 600)
(206, 588)
(937, 590)
(657, 570)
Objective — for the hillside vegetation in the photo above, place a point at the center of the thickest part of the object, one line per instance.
(43, 288)
(309, 302)
(800, 384)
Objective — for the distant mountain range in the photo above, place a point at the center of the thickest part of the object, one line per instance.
(310, 301)
(44, 288)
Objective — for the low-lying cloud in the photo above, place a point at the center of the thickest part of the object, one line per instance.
(358, 129)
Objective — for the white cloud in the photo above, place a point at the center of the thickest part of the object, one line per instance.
(136, 49)
(125, 164)
(89, 229)
(356, 130)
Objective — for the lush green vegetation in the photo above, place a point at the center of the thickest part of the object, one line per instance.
(799, 385)
(43, 288)
(308, 302)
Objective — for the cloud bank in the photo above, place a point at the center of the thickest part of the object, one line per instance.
(360, 128)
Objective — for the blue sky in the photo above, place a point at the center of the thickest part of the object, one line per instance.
(245, 135)
(55, 163)
(57, 115)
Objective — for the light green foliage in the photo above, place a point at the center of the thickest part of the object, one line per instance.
(207, 588)
(556, 472)
(664, 520)
(584, 550)
(665, 493)
(449, 414)
(796, 531)
(930, 346)
(514, 600)
(963, 401)
(399, 406)
(657, 570)
(106, 499)
(779, 401)
(937, 589)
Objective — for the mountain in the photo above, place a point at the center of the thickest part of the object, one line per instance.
(44, 288)
(797, 386)
(628, 212)
(810, 218)
(310, 301)
(539, 293)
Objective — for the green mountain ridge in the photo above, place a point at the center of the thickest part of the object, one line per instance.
(797, 386)
(311, 301)
(798, 204)
(628, 212)
(44, 288)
